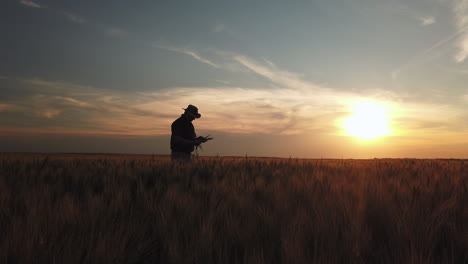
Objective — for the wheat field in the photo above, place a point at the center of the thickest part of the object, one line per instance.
(75, 208)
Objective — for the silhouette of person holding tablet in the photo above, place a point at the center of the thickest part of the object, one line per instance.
(183, 137)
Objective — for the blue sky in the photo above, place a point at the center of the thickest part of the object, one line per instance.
(270, 77)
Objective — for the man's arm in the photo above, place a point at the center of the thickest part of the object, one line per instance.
(183, 141)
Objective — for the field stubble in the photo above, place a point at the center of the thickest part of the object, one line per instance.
(146, 209)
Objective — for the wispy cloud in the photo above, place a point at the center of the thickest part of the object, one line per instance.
(48, 113)
(75, 18)
(430, 121)
(93, 108)
(277, 76)
(116, 32)
(250, 110)
(43, 111)
(223, 82)
(403, 9)
(30, 3)
(6, 107)
(295, 106)
(424, 54)
(426, 21)
(460, 9)
(465, 97)
(219, 28)
(455, 70)
(58, 87)
(189, 52)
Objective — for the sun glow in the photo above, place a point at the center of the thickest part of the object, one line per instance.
(369, 120)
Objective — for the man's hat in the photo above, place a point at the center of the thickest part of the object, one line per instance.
(192, 110)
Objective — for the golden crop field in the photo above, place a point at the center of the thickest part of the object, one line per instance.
(66, 208)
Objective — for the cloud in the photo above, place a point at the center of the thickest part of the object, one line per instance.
(189, 52)
(402, 9)
(426, 21)
(75, 18)
(455, 70)
(294, 106)
(219, 28)
(57, 87)
(30, 3)
(233, 109)
(95, 109)
(460, 9)
(223, 82)
(248, 110)
(72, 17)
(277, 76)
(6, 107)
(116, 32)
(48, 113)
(68, 95)
(463, 49)
(417, 58)
(430, 122)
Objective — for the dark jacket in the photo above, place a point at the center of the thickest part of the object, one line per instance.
(182, 128)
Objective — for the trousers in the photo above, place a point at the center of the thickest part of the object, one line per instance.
(180, 156)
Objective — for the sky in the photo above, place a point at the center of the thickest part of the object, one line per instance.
(270, 78)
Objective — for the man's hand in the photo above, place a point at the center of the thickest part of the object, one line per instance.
(201, 139)
(197, 142)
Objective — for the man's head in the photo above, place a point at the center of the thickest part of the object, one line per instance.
(192, 112)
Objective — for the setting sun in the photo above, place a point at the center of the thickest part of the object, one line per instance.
(369, 120)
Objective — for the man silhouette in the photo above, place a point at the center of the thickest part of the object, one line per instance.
(183, 138)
